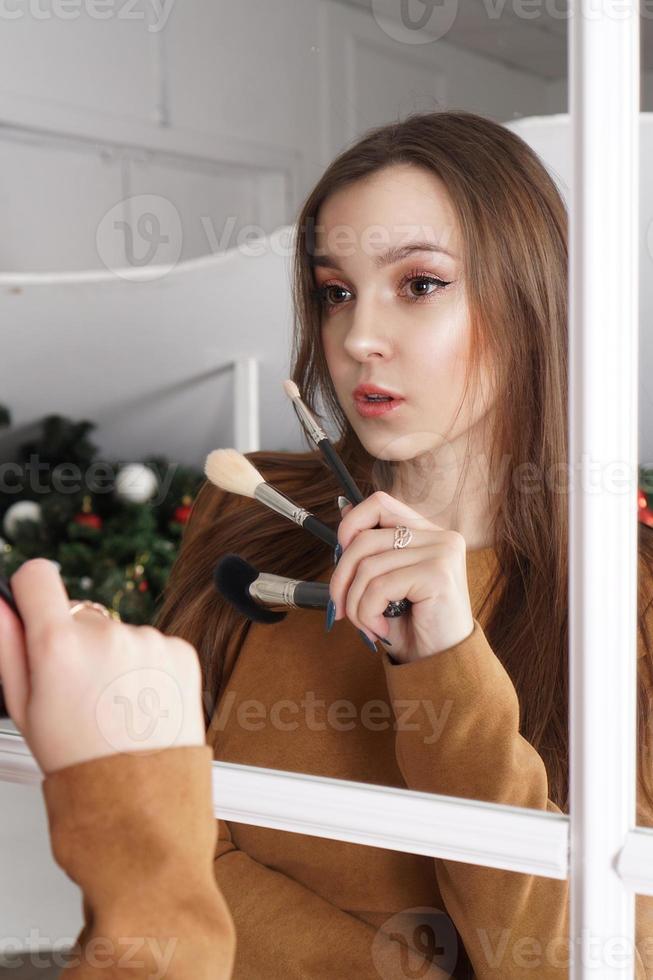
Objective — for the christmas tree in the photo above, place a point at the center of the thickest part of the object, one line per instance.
(645, 495)
(114, 530)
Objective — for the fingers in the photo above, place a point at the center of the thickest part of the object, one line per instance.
(42, 600)
(40, 596)
(376, 542)
(379, 510)
(372, 579)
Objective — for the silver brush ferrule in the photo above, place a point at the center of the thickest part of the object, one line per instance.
(315, 431)
(277, 501)
(276, 590)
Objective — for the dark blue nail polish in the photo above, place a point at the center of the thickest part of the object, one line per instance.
(337, 553)
(383, 639)
(330, 614)
(368, 642)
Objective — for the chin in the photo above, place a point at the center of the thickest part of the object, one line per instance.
(402, 447)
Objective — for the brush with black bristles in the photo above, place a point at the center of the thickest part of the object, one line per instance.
(251, 591)
(328, 450)
(230, 470)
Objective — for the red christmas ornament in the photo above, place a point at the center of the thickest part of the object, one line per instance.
(143, 586)
(182, 513)
(645, 515)
(88, 520)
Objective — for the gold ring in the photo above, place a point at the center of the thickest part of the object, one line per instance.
(88, 604)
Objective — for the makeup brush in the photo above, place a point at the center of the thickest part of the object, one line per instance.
(326, 447)
(251, 591)
(6, 595)
(323, 443)
(230, 470)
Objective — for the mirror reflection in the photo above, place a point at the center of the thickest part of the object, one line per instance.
(310, 255)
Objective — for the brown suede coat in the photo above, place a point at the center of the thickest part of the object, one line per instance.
(301, 699)
(138, 834)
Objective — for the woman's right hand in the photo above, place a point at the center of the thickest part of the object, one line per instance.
(86, 686)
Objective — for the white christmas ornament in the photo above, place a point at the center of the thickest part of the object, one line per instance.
(22, 510)
(136, 483)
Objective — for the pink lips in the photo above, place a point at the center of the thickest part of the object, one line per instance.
(370, 409)
(369, 389)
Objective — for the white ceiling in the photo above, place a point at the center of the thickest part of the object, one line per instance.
(495, 29)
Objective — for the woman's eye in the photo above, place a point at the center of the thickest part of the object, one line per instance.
(428, 285)
(426, 281)
(331, 295)
(331, 298)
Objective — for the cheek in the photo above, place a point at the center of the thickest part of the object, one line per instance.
(333, 355)
(440, 355)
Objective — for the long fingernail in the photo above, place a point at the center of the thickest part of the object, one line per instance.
(368, 642)
(337, 553)
(342, 502)
(330, 614)
(382, 639)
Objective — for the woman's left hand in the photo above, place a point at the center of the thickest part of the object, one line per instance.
(431, 571)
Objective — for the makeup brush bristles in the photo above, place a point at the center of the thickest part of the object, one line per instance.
(232, 471)
(291, 389)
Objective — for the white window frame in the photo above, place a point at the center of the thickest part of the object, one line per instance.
(598, 846)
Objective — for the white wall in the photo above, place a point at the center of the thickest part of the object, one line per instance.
(229, 111)
(550, 136)
(558, 94)
(40, 907)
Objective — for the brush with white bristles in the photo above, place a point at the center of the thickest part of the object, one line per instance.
(320, 438)
(323, 443)
(230, 470)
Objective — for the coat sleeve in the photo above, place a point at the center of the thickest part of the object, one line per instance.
(136, 831)
(463, 740)
(286, 931)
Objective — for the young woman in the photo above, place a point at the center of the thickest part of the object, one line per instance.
(431, 261)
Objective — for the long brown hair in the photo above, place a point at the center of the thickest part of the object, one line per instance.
(513, 227)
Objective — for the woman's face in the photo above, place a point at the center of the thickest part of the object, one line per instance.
(392, 322)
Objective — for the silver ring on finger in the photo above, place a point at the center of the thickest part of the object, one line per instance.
(403, 536)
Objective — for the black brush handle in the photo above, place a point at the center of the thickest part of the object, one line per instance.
(7, 596)
(395, 608)
(338, 467)
(321, 531)
(312, 595)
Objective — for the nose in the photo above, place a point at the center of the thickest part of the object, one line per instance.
(367, 336)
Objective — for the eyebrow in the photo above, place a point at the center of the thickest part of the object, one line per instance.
(394, 254)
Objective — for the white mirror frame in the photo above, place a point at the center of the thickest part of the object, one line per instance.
(599, 847)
